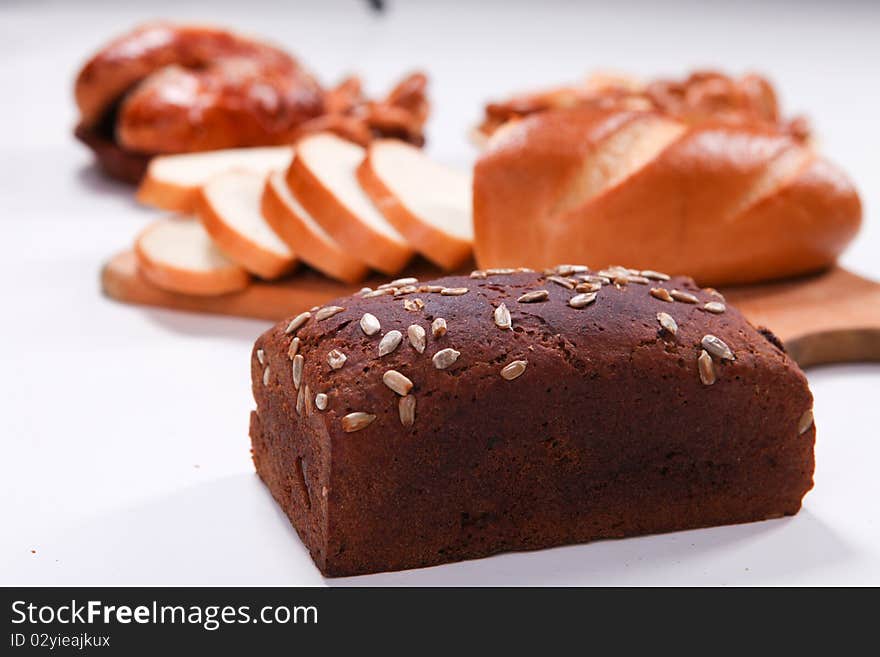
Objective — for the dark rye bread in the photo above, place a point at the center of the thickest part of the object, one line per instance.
(611, 430)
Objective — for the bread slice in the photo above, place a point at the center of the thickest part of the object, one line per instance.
(323, 178)
(229, 208)
(430, 204)
(313, 244)
(177, 254)
(172, 182)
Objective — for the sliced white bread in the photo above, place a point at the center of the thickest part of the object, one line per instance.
(229, 208)
(313, 244)
(178, 255)
(323, 178)
(430, 204)
(172, 182)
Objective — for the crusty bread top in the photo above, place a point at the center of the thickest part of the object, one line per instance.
(724, 203)
(616, 336)
(700, 97)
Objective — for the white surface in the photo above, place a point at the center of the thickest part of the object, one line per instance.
(124, 430)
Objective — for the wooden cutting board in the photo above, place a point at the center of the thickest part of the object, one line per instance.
(832, 317)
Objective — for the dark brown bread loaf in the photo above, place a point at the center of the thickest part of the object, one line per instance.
(575, 419)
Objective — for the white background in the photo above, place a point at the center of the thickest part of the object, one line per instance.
(124, 430)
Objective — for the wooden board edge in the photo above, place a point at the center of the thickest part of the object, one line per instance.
(855, 345)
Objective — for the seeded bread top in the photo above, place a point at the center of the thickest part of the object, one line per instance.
(409, 352)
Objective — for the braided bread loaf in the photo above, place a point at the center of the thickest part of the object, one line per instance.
(167, 88)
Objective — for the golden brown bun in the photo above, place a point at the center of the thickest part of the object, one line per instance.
(246, 92)
(134, 56)
(243, 103)
(726, 203)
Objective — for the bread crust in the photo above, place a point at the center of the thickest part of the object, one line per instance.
(700, 96)
(152, 47)
(124, 94)
(608, 431)
(316, 250)
(726, 203)
(233, 108)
